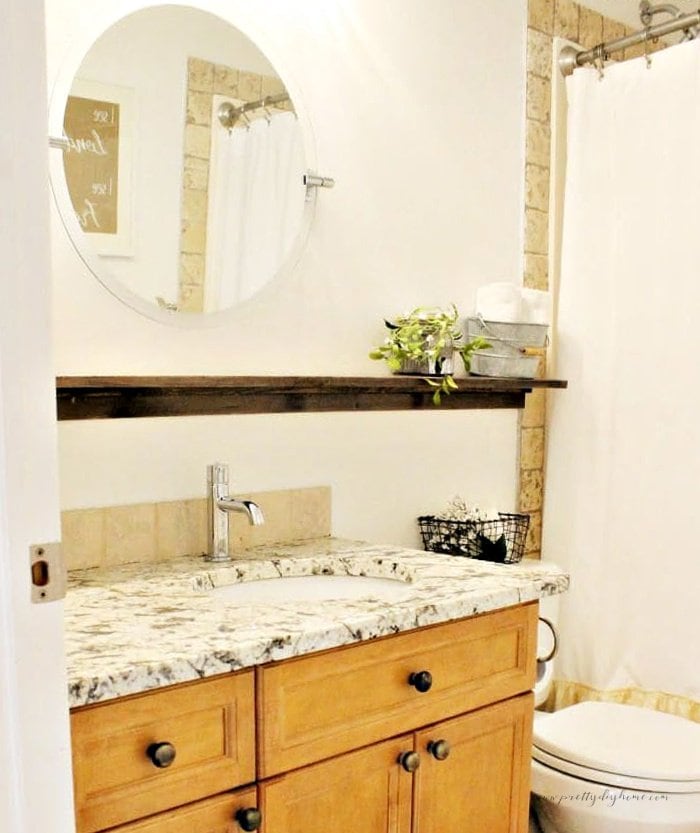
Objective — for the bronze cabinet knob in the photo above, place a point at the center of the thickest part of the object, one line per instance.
(439, 749)
(410, 761)
(421, 681)
(161, 754)
(249, 818)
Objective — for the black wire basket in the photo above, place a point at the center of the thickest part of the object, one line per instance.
(500, 540)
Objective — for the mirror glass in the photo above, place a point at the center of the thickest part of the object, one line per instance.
(184, 163)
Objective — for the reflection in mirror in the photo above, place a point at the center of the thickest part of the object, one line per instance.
(184, 163)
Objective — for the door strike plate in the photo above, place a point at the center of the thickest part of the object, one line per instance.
(47, 572)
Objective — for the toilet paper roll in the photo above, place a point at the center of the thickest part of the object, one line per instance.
(543, 682)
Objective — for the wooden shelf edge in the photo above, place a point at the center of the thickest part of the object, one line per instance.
(124, 397)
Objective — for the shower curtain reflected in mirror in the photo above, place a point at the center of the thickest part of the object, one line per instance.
(256, 197)
(623, 470)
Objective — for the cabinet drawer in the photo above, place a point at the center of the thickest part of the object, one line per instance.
(210, 724)
(213, 815)
(318, 706)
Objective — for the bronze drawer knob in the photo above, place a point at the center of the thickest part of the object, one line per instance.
(421, 681)
(410, 761)
(249, 818)
(439, 749)
(161, 754)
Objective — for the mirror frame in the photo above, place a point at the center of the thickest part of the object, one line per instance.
(75, 54)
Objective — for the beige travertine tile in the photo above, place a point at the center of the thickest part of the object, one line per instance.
(311, 512)
(193, 237)
(200, 74)
(538, 98)
(130, 533)
(180, 528)
(536, 271)
(198, 107)
(531, 488)
(537, 187)
(194, 222)
(539, 53)
(191, 298)
(535, 410)
(271, 85)
(612, 29)
(82, 537)
(249, 86)
(194, 206)
(531, 448)
(540, 15)
(192, 269)
(197, 141)
(196, 174)
(590, 27)
(196, 510)
(566, 19)
(171, 529)
(538, 143)
(533, 542)
(226, 80)
(536, 231)
(277, 509)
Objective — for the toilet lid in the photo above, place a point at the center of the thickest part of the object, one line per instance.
(627, 741)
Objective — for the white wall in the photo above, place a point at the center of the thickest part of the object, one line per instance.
(417, 110)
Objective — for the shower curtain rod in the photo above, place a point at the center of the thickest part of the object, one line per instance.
(229, 113)
(571, 58)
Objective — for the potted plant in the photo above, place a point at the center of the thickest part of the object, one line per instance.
(423, 342)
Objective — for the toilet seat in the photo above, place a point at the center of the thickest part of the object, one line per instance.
(623, 746)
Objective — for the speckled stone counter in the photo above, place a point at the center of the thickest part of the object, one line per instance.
(140, 626)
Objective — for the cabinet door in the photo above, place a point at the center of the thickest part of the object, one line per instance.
(367, 791)
(483, 785)
(213, 815)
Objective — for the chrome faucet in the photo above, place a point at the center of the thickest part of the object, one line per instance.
(220, 503)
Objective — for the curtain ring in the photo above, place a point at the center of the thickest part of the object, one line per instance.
(647, 57)
(599, 61)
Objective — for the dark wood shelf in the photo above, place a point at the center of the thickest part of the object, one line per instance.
(124, 397)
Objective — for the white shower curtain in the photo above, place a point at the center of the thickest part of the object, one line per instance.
(623, 477)
(256, 198)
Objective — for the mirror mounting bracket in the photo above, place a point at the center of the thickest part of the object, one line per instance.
(312, 180)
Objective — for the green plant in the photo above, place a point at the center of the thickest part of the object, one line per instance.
(427, 337)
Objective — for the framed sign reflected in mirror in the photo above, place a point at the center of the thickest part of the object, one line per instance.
(97, 161)
(181, 212)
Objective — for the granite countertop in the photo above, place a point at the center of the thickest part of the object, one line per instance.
(141, 626)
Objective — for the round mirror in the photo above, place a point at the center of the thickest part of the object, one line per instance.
(181, 182)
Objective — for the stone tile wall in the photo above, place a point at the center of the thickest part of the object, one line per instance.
(548, 19)
(158, 531)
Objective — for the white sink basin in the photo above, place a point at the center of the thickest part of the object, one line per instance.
(294, 589)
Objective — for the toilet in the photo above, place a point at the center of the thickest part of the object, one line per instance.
(610, 768)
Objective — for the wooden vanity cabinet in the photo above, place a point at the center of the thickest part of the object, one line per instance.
(427, 731)
(469, 774)
(123, 764)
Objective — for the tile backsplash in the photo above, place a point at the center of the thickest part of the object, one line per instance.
(146, 532)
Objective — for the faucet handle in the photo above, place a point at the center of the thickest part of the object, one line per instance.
(217, 474)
